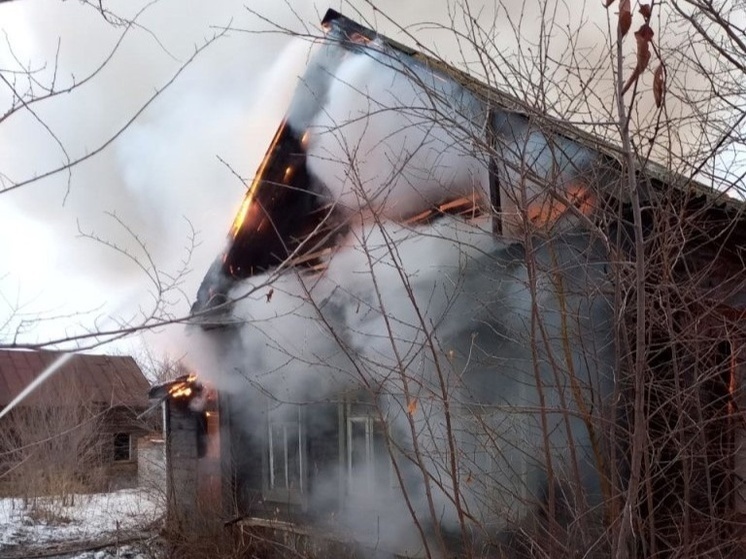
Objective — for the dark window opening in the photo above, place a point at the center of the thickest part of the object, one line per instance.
(122, 447)
(285, 455)
(202, 442)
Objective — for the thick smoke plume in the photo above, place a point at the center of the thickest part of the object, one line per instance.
(410, 138)
(226, 104)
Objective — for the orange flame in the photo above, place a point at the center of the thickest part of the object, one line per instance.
(183, 389)
(248, 200)
(549, 210)
(412, 406)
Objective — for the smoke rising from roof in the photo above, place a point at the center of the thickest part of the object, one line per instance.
(164, 167)
(412, 137)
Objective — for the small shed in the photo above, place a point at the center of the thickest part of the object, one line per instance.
(192, 439)
(78, 431)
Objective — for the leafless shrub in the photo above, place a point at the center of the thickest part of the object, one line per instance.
(53, 447)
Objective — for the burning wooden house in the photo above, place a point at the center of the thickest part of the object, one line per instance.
(421, 325)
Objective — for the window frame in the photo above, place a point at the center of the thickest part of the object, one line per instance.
(271, 490)
(356, 413)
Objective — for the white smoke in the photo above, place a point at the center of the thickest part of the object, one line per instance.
(396, 308)
(163, 170)
(412, 138)
(163, 176)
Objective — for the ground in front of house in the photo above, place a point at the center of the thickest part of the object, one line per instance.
(96, 526)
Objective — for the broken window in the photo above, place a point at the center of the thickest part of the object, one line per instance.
(122, 447)
(285, 461)
(367, 456)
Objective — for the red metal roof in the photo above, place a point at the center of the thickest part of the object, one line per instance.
(106, 379)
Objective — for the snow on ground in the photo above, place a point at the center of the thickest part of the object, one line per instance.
(92, 518)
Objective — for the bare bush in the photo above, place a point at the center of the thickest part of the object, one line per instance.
(54, 447)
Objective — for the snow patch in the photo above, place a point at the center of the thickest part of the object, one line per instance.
(92, 517)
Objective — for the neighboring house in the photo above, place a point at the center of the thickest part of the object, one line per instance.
(78, 430)
(310, 434)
